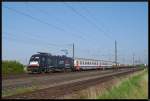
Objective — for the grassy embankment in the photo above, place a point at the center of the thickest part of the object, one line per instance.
(12, 67)
(135, 87)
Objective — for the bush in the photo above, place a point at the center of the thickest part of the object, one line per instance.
(12, 67)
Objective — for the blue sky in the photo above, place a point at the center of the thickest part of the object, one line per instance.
(29, 27)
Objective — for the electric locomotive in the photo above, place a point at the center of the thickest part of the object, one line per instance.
(45, 62)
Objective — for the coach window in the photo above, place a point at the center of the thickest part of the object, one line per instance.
(80, 62)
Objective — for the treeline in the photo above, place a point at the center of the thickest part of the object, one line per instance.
(12, 67)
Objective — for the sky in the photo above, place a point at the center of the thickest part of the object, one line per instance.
(93, 27)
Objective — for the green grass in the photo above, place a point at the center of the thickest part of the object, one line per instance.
(18, 91)
(12, 67)
(132, 88)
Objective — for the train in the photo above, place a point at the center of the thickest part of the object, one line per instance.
(46, 62)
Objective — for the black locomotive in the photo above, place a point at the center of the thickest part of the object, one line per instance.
(45, 62)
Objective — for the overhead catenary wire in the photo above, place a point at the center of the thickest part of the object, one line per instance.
(92, 17)
(68, 25)
(33, 41)
(37, 39)
(85, 18)
(41, 21)
(17, 40)
(27, 15)
(104, 32)
(34, 18)
(86, 38)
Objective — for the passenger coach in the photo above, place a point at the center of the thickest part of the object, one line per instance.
(83, 64)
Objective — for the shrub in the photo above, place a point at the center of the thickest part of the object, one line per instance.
(12, 67)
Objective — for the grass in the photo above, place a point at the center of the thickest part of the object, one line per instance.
(12, 67)
(135, 87)
(18, 91)
(131, 86)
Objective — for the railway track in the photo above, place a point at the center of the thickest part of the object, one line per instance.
(43, 81)
(68, 84)
(27, 75)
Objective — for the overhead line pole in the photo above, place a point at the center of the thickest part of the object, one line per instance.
(73, 55)
(133, 59)
(73, 51)
(116, 53)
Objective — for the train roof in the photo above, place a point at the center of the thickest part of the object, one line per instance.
(41, 53)
(49, 54)
(92, 59)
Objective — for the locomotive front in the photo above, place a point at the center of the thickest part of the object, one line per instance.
(34, 64)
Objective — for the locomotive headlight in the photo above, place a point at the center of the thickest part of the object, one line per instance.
(34, 63)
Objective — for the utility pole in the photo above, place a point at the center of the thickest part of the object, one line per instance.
(73, 51)
(116, 53)
(133, 59)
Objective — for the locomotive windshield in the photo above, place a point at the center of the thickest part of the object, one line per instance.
(34, 58)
